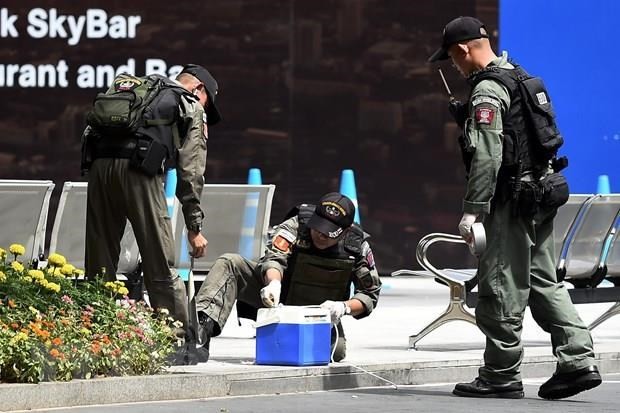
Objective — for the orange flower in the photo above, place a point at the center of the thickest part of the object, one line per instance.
(57, 341)
(12, 303)
(65, 322)
(105, 339)
(116, 352)
(54, 353)
(95, 348)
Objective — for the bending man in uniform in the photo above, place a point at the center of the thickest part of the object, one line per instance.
(503, 159)
(119, 191)
(313, 258)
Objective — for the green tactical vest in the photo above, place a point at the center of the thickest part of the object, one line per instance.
(313, 276)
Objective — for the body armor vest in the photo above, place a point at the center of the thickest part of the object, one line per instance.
(314, 276)
(531, 137)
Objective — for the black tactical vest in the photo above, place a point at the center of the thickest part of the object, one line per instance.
(313, 276)
(531, 137)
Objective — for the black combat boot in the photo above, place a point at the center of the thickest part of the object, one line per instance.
(206, 329)
(483, 388)
(562, 385)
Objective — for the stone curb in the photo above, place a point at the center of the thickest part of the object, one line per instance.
(186, 386)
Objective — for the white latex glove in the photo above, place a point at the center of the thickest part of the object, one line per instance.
(270, 294)
(336, 310)
(465, 226)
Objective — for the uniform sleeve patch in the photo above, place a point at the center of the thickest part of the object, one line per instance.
(485, 99)
(485, 116)
(370, 259)
(367, 253)
(287, 235)
(280, 243)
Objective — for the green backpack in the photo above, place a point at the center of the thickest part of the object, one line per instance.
(120, 109)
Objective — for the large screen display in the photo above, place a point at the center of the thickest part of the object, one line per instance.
(572, 45)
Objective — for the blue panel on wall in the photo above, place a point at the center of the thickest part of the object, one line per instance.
(572, 45)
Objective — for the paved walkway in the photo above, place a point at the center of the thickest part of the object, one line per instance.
(377, 355)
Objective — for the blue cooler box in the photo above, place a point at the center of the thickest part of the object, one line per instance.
(293, 336)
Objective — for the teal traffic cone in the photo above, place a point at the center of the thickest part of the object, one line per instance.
(347, 187)
(170, 188)
(602, 186)
(246, 242)
(254, 177)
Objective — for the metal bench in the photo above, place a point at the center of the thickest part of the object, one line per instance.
(237, 220)
(69, 231)
(461, 282)
(24, 208)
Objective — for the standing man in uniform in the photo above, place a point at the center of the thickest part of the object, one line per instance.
(505, 167)
(312, 259)
(118, 191)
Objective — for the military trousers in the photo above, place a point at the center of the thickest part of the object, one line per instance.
(117, 193)
(517, 269)
(233, 277)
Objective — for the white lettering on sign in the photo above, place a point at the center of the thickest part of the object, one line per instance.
(28, 75)
(95, 24)
(7, 24)
(101, 76)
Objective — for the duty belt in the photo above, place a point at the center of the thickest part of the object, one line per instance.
(119, 149)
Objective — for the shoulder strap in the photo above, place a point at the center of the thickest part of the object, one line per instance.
(510, 78)
(354, 239)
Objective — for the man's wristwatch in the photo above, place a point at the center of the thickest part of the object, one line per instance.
(195, 228)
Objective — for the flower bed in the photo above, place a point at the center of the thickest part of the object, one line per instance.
(53, 327)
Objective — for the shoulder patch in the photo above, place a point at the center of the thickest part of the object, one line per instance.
(286, 234)
(281, 244)
(485, 99)
(485, 115)
(367, 253)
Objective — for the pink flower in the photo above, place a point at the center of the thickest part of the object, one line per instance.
(66, 299)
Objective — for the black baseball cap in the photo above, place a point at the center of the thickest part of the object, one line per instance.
(333, 214)
(458, 30)
(202, 74)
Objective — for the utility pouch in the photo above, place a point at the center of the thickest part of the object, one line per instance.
(529, 198)
(555, 191)
(148, 157)
(113, 113)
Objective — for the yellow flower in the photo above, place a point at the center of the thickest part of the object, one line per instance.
(53, 287)
(27, 279)
(57, 260)
(67, 269)
(123, 291)
(84, 331)
(17, 266)
(36, 274)
(2, 276)
(17, 249)
(2, 253)
(56, 272)
(111, 286)
(119, 283)
(19, 337)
